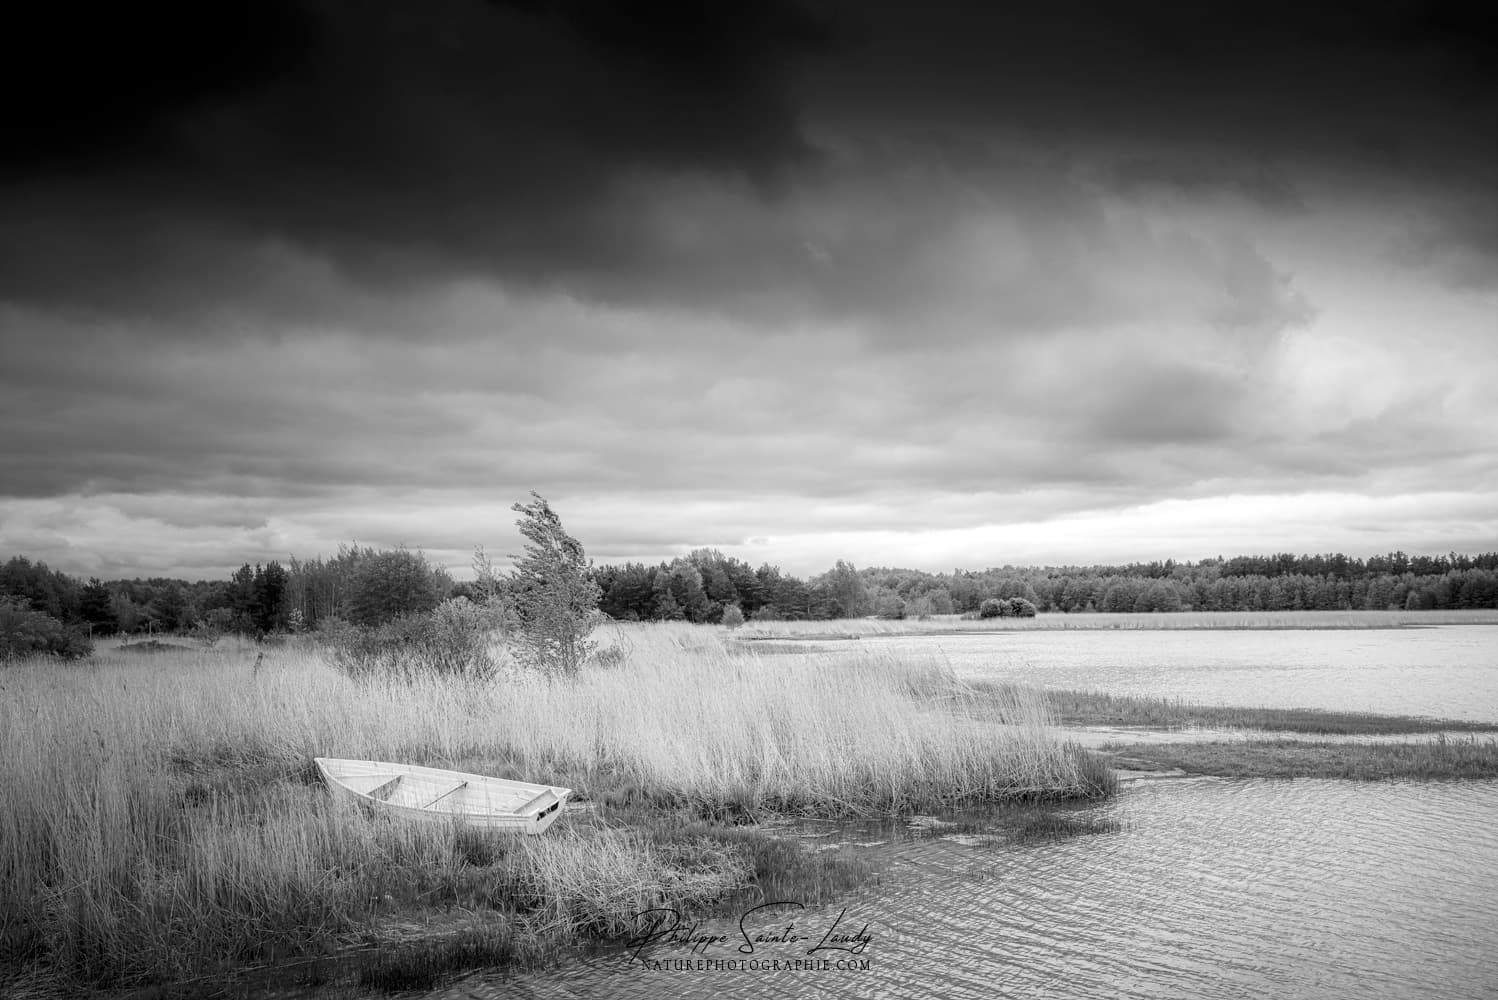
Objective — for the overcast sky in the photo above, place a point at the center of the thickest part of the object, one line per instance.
(905, 284)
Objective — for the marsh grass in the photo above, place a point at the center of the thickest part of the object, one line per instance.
(428, 962)
(1094, 708)
(1431, 760)
(1042, 825)
(163, 821)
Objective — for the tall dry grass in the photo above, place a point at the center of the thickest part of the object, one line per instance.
(162, 816)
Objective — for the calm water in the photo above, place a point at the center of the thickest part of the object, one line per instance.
(1209, 888)
(1446, 671)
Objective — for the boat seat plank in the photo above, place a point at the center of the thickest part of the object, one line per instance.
(384, 791)
(539, 802)
(445, 794)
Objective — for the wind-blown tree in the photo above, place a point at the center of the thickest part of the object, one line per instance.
(553, 597)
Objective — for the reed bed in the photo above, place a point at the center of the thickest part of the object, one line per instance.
(164, 821)
(1097, 708)
(1441, 759)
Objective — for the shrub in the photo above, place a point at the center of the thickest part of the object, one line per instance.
(451, 640)
(24, 632)
(1007, 607)
(456, 640)
(1018, 607)
(732, 616)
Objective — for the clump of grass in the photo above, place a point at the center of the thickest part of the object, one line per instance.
(592, 885)
(1095, 708)
(1433, 760)
(1048, 825)
(428, 962)
(784, 868)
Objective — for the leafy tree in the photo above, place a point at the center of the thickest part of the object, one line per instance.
(732, 616)
(991, 608)
(169, 606)
(96, 606)
(269, 591)
(552, 593)
(24, 632)
(241, 596)
(393, 584)
(849, 596)
(49, 591)
(628, 591)
(687, 589)
(664, 605)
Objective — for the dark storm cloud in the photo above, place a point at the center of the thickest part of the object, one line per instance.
(401, 140)
(1460, 247)
(672, 152)
(85, 86)
(1267, 186)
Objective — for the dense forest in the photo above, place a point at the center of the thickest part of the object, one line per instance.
(367, 587)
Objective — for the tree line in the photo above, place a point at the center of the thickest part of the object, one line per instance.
(368, 587)
(697, 587)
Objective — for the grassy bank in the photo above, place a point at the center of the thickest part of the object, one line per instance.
(1432, 760)
(1098, 621)
(1095, 708)
(163, 822)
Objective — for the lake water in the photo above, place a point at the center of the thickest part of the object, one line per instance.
(1446, 671)
(1208, 887)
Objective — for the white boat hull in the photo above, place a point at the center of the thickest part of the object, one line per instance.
(429, 793)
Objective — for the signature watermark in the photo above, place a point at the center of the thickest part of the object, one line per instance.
(765, 941)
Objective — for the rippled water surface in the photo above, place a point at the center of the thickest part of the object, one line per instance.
(1210, 888)
(1448, 671)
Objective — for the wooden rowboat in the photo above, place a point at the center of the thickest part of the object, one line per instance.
(429, 793)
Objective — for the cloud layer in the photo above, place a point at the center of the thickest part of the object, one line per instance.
(842, 276)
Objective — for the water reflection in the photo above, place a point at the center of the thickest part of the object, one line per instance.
(1209, 888)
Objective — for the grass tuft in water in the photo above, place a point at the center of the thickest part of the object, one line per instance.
(1095, 708)
(427, 963)
(1049, 825)
(1441, 759)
